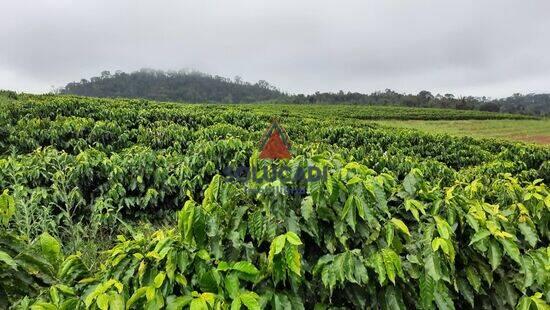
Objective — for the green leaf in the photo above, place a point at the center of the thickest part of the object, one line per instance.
(511, 249)
(246, 267)
(7, 207)
(445, 245)
(443, 228)
(40, 305)
(400, 226)
(524, 303)
(348, 206)
(250, 300)
(54, 295)
(6, 258)
(307, 208)
(427, 288)
(353, 180)
(209, 281)
(281, 302)
(224, 266)
(293, 260)
(393, 299)
(50, 247)
(212, 192)
(484, 272)
(480, 235)
(414, 206)
(140, 292)
(442, 298)
(236, 304)
(529, 233)
(528, 270)
(232, 285)
(495, 254)
(390, 268)
(204, 255)
(177, 303)
(409, 183)
(392, 264)
(348, 213)
(150, 293)
(159, 279)
(198, 304)
(98, 290)
(185, 220)
(439, 243)
(66, 289)
(506, 292)
(293, 238)
(103, 301)
(359, 203)
(377, 262)
(539, 302)
(432, 266)
(328, 277)
(277, 246)
(473, 278)
(116, 301)
(389, 234)
(466, 290)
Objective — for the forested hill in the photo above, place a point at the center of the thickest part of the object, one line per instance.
(187, 86)
(173, 86)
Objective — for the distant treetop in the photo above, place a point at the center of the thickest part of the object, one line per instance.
(194, 86)
(188, 86)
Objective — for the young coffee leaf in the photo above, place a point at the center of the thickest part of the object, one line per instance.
(400, 225)
(293, 260)
(293, 238)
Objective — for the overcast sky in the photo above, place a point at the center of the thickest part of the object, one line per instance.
(490, 47)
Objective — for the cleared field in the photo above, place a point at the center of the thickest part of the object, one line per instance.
(367, 112)
(535, 131)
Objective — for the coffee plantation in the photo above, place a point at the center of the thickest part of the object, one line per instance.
(124, 204)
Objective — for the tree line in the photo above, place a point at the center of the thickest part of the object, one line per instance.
(188, 86)
(194, 86)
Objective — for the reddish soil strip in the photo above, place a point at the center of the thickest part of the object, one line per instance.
(540, 139)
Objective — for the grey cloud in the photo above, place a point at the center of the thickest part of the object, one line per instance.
(493, 47)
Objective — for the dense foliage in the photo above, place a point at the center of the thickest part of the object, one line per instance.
(113, 204)
(368, 112)
(199, 87)
(173, 86)
(529, 104)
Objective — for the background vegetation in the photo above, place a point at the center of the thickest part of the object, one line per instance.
(199, 87)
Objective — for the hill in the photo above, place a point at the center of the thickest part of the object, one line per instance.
(173, 86)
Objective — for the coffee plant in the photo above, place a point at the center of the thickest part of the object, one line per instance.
(128, 204)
